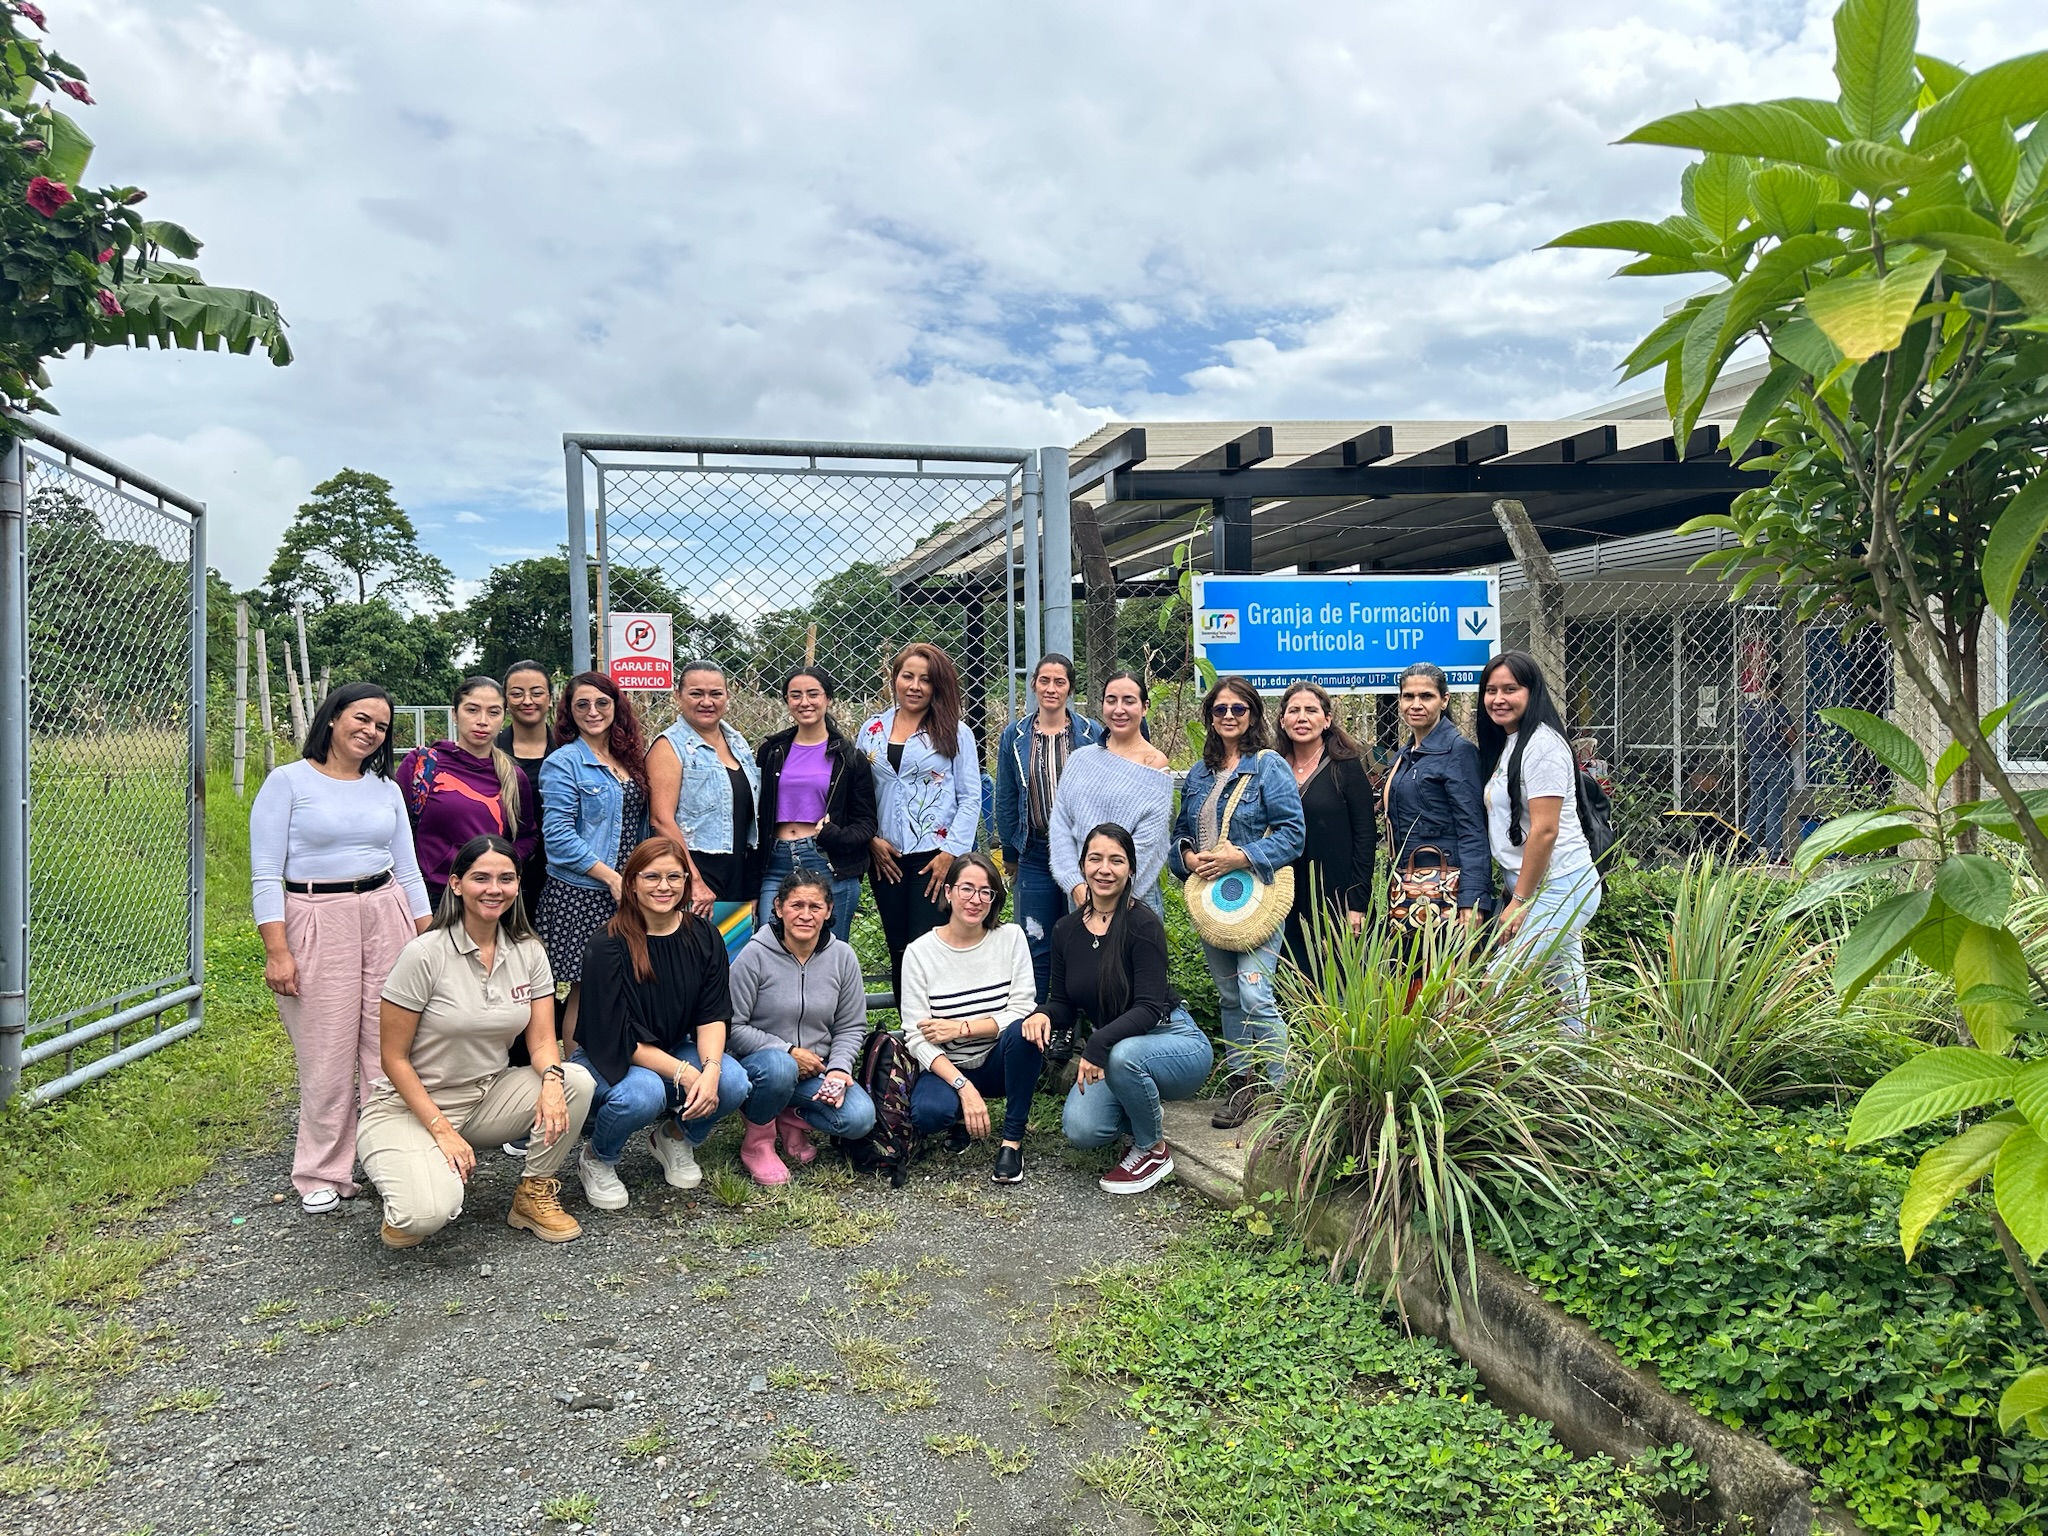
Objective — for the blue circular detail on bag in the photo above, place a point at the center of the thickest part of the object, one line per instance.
(1232, 893)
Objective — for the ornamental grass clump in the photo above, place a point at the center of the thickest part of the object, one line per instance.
(1441, 1102)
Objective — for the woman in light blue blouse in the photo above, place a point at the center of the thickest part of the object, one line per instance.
(927, 795)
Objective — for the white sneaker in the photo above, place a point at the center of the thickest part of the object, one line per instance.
(320, 1202)
(601, 1186)
(515, 1148)
(678, 1159)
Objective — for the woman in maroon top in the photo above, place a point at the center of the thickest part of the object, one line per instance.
(467, 786)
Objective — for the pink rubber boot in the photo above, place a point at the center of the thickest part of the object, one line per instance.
(757, 1155)
(796, 1137)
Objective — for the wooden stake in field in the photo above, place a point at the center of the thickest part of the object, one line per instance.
(305, 671)
(263, 701)
(296, 694)
(241, 694)
(326, 682)
(811, 645)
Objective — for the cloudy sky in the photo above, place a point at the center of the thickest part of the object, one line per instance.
(491, 221)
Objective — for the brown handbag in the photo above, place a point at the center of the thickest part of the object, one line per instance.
(1418, 899)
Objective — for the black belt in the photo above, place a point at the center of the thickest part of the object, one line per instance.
(338, 887)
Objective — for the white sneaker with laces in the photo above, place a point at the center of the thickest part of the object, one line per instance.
(601, 1186)
(678, 1159)
(320, 1202)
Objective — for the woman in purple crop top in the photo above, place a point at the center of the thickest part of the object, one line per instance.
(817, 799)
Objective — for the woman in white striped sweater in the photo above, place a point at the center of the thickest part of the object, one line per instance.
(967, 988)
(1124, 781)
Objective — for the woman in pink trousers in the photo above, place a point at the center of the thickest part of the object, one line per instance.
(337, 894)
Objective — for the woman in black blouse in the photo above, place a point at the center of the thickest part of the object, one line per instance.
(1343, 823)
(1142, 1048)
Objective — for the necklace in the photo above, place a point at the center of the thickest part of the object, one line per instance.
(1088, 922)
(1303, 775)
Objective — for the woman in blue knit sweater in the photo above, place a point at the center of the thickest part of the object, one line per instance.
(1125, 782)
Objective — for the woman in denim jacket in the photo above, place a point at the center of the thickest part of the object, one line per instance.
(593, 815)
(706, 788)
(1265, 834)
(927, 796)
(1434, 794)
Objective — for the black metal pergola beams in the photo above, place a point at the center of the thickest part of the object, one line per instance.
(1599, 442)
(1368, 447)
(1618, 474)
(1240, 453)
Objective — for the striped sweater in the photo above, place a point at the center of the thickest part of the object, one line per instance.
(993, 980)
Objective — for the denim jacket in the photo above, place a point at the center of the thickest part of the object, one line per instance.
(1268, 828)
(704, 799)
(1013, 768)
(1435, 800)
(931, 805)
(581, 806)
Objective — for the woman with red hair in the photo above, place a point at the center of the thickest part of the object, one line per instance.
(594, 799)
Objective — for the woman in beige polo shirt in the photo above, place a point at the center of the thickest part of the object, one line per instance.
(454, 1002)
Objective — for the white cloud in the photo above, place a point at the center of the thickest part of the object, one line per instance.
(490, 221)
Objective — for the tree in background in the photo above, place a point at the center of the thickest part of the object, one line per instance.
(353, 540)
(522, 611)
(411, 655)
(78, 265)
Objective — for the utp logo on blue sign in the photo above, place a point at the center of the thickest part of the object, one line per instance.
(1350, 633)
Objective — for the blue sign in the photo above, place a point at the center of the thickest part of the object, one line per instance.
(1352, 634)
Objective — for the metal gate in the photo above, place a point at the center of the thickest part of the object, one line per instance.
(772, 553)
(102, 764)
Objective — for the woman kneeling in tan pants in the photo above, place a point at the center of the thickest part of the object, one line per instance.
(455, 1000)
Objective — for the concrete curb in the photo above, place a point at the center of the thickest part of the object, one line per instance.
(1534, 1358)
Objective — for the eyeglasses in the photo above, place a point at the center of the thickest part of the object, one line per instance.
(649, 878)
(1229, 711)
(973, 893)
(596, 706)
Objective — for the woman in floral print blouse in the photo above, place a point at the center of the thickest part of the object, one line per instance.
(927, 795)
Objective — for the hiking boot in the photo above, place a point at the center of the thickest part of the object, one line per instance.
(398, 1237)
(601, 1185)
(1059, 1044)
(537, 1208)
(795, 1132)
(1239, 1094)
(677, 1157)
(1009, 1167)
(1141, 1168)
(757, 1155)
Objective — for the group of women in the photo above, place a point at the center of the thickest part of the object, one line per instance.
(691, 901)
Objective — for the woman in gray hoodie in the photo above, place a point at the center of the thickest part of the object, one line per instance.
(799, 1014)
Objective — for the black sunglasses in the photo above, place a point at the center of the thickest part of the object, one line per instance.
(1229, 711)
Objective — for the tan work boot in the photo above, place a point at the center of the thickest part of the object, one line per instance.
(398, 1237)
(537, 1208)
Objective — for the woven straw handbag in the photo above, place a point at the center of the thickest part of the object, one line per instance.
(1238, 911)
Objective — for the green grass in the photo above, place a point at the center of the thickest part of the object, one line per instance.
(77, 1178)
(801, 1460)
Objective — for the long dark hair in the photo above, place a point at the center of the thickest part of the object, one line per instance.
(942, 715)
(1338, 746)
(1113, 980)
(514, 925)
(998, 893)
(320, 734)
(1252, 742)
(623, 739)
(1493, 740)
(629, 923)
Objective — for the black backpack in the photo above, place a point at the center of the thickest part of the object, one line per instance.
(887, 1071)
(1596, 811)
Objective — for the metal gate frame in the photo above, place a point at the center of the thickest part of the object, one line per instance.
(149, 998)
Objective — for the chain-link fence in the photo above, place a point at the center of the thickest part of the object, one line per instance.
(102, 729)
(767, 566)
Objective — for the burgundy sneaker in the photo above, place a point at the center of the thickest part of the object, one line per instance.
(1139, 1171)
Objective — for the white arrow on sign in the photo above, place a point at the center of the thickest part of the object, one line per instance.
(1478, 623)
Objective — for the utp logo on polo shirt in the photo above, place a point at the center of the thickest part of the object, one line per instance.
(523, 992)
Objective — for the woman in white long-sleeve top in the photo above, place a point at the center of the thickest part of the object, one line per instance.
(337, 894)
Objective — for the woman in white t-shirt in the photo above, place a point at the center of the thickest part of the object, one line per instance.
(1551, 886)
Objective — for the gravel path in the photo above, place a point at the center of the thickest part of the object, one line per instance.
(687, 1365)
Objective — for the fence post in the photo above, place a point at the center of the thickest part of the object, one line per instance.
(305, 669)
(13, 765)
(293, 695)
(1034, 590)
(1059, 550)
(241, 694)
(579, 562)
(263, 701)
(195, 802)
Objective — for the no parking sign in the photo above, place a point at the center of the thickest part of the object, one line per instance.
(641, 651)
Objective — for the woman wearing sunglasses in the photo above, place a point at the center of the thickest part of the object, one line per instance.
(1265, 832)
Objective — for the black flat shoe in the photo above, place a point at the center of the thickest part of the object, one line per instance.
(1009, 1167)
(957, 1139)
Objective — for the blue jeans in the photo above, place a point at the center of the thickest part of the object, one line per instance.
(1254, 1034)
(1037, 902)
(620, 1110)
(804, 853)
(1010, 1073)
(1763, 812)
(1549, 938)
(1171, 1060)
(776, 1087)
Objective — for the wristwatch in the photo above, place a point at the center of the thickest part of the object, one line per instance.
(958, 1082)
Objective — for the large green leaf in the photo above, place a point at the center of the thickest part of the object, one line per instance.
(1904, 223)
(2025, 275)
(2030, 1093)
(1778, 387)
(1779, 274)
(2014, 538)
(1837, 882)
(1785, 199)
(1953, 756)
(1824, 115)
(1944, 1081)
(1882, 740)
(1857, 832)
(1978, 888)
(1804, 345)
(1879, 939)
(1939, 76)
(1700, 359)
(1994, 158)
(1659, 345)
(1764, 131)
(1878, 169)
(1715, 191)
(197, 318)
(1945, 1172)
(1990, 957)
(175, 238)
(1939, 935)
(2026, 1398)
(2019, 1183)
(2012, 91)
(1623, 235)
(70, 148)
(1994, 818)
(1863, 316)
(2033, 164)
(1874, 45)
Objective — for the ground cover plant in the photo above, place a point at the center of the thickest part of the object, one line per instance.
(1275, 1400)
(1752, 1261)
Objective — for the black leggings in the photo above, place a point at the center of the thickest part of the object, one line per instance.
(903, 909)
